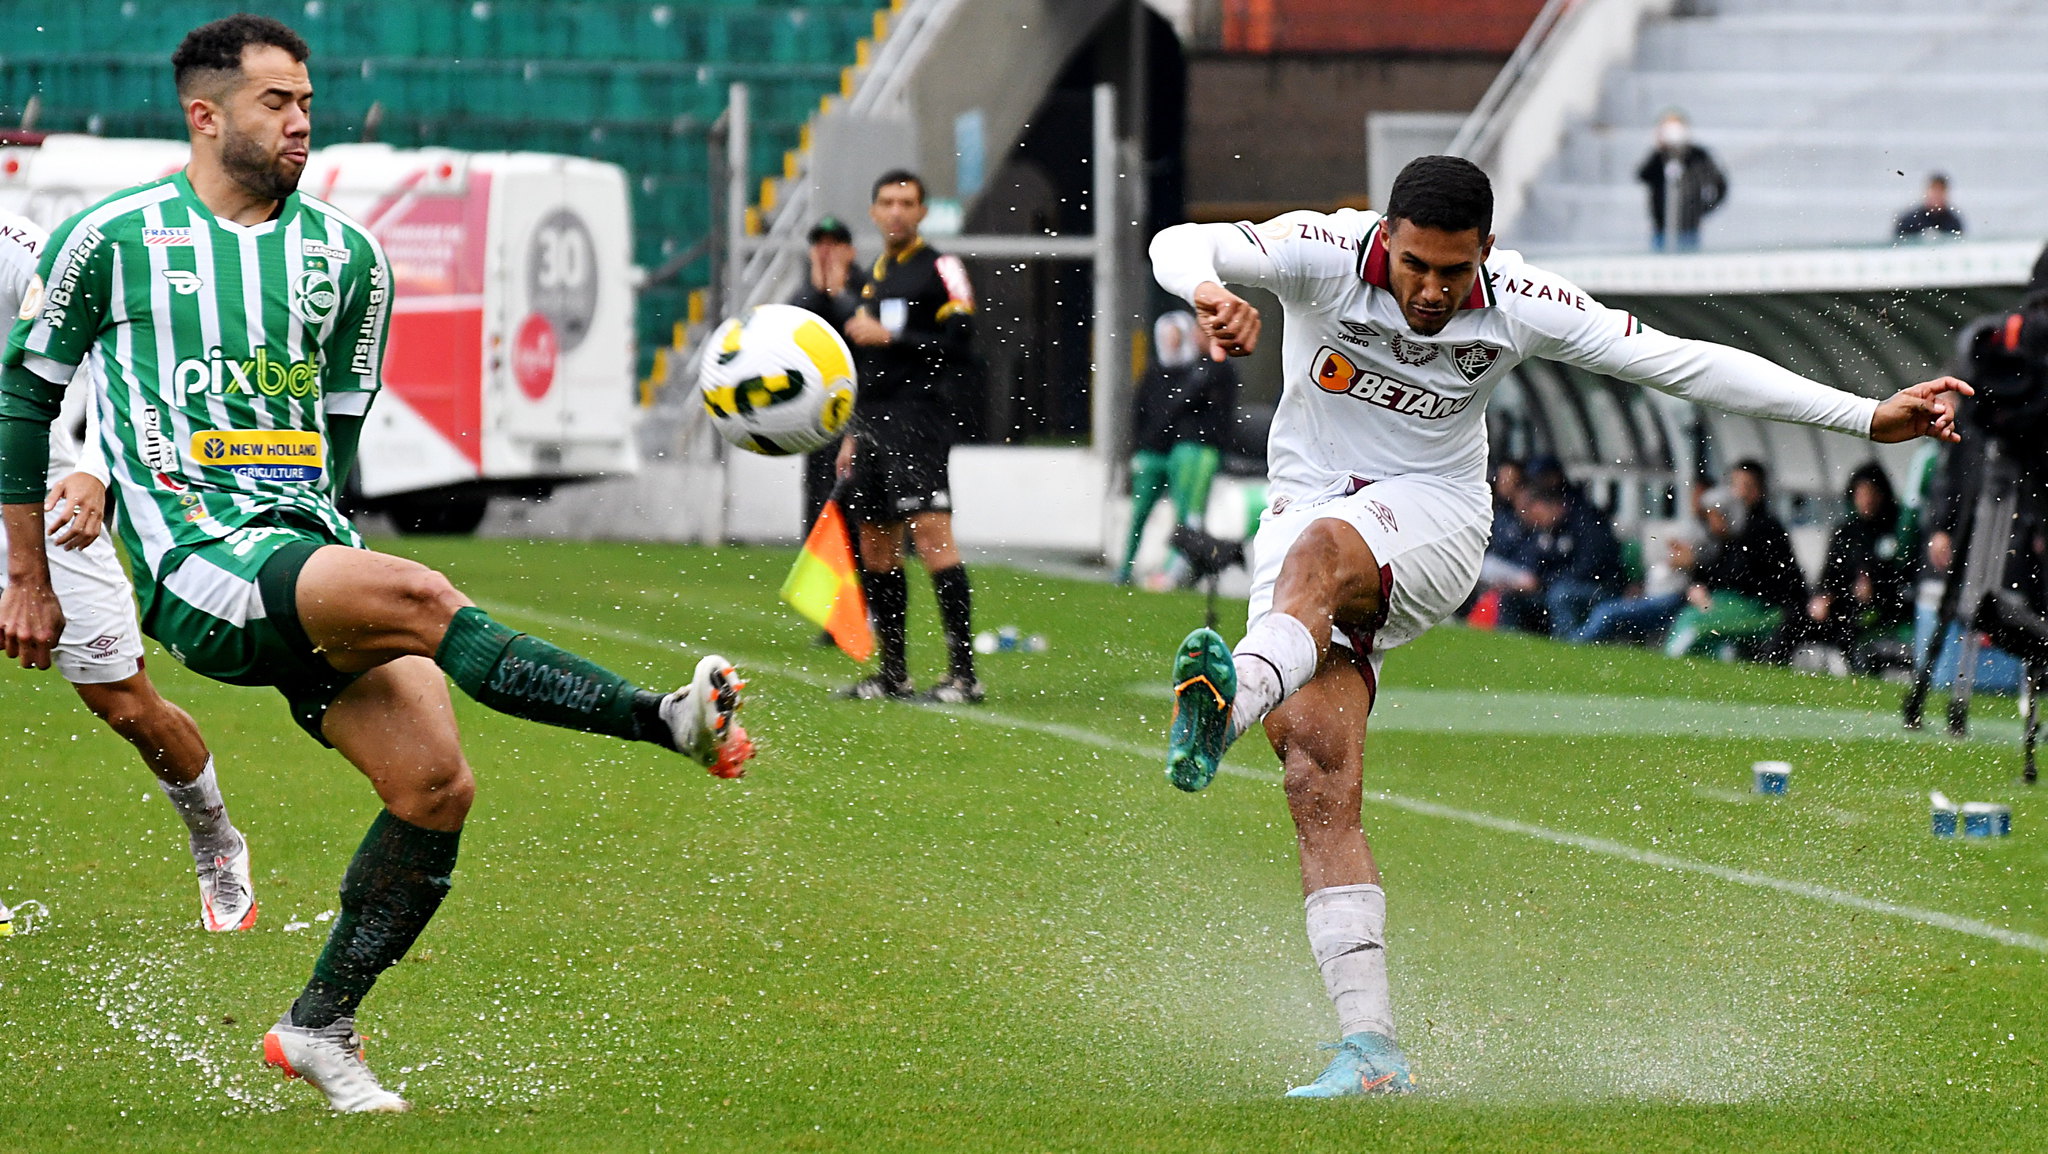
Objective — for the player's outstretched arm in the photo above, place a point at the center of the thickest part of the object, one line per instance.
(1922, 410)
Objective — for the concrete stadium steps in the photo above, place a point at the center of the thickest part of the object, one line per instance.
(1820, 103)
(1827, 115)
(1910, 8)
(1601, 155)
(1805, 43)
(1612, 218)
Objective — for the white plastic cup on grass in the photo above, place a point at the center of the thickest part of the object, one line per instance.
(1944, 812)
(1771, 777)
(1986, 819)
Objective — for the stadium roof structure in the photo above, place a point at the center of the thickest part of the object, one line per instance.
(1869, 320)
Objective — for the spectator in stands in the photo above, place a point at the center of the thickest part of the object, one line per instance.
(1499, 568)
(1685, 185)
(1179, 424)
(1751, 483)
(1568, 558)
(1933, 218)
(1507, 486)
(1863, 604)
(1745, 582)
(833, 292)
(1643, 618)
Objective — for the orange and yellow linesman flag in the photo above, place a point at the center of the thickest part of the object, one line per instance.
(825, 587)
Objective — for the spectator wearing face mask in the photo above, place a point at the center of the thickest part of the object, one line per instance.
(1179, 424)
(1685, 185)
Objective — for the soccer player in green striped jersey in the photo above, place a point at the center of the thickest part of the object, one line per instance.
(237, 329)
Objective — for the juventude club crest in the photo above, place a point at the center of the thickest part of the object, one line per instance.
(314, 296)
(1473, 360)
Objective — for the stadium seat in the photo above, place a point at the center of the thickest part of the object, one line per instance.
(633, 83)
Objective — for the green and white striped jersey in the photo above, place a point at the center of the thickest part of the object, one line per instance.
(223, 349)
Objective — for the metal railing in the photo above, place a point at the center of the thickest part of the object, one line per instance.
(1479, 137)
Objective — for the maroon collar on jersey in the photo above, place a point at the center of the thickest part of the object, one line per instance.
(1372, 269)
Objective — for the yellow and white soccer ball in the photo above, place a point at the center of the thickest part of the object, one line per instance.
(778, 380)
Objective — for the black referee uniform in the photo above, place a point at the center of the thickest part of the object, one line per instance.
(903, 429)
(903, 420)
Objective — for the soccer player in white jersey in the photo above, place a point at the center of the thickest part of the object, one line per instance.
(100, 651)
(1398, 329)
(236, 333)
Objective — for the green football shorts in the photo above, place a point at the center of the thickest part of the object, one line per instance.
(229, 609)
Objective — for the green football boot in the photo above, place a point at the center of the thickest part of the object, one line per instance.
(1204, 685)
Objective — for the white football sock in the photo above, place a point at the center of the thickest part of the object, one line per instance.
(1276, 657)
(199, 802)
(1347, 930)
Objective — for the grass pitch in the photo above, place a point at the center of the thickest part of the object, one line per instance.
(999, 929)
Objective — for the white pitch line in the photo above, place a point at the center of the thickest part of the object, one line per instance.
(1599, 845)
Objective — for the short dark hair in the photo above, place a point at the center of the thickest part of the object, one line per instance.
(218, 46)
(897, 176)
(1754, 468)
(1446, 192)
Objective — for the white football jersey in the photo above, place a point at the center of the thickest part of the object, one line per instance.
(1367, 397)
(21, 291)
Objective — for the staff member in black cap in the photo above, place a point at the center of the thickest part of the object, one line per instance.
(833, 292)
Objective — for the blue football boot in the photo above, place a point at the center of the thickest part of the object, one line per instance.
(1365, 1064)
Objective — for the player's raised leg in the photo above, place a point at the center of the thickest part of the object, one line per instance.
(1319, 734)
(1329, 575)
(394, 723)
(361, 609)
(171, 746)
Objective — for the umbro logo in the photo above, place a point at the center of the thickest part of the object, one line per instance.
(1356, 332)
(183, 283)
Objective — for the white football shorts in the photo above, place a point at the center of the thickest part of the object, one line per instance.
(102, 639)
(1429, 536)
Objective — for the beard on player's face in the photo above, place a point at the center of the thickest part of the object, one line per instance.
(262, 168)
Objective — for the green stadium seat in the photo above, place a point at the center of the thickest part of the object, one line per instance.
(635, 83)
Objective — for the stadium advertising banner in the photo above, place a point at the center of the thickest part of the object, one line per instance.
(510, 355)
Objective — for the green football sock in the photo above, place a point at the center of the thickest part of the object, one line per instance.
(393, 886)
(519, 674)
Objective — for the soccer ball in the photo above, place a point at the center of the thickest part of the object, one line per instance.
(777, 380)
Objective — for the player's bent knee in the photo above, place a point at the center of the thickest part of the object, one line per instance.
(1321, 782)
(438, 798)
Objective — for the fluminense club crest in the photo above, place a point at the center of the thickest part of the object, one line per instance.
(1473, 360)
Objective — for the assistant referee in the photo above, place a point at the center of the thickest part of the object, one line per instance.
(911, 341)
